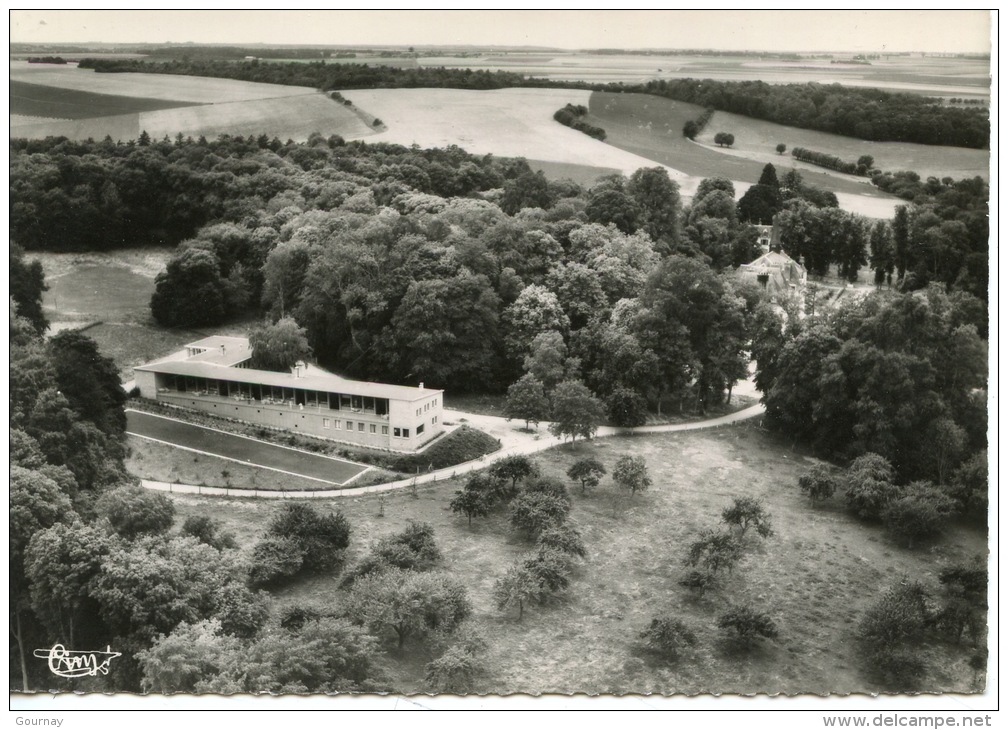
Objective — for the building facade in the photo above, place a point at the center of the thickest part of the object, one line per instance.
(212, 375)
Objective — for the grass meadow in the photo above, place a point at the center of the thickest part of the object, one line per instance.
(815, 576)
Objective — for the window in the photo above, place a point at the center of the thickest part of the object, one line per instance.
(337, 424)
(419, 429)
(374, 429)
(360, 426)
(397, 432)
(325, 423)
(434, 420)
(349, 425)
(405, 433)
(384, 430)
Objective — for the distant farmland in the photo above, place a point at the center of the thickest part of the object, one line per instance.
(651, 127)
(78, 104)
(37, 100)
(756, 139)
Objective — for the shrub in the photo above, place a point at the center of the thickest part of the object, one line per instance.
(870, 486)
(745, 625)
(550, 569)
(548, 485)
(922, 511)
(533, 512)
(412, 549)
(970, 486)
(133, 511)
(241, 612)
(462, 662)
(471, 503)
(274, 560)
(817, 483)
(207, 531)
(699, 580)
(668, 637)
(895, 622)
(562, 538)
(320, 538)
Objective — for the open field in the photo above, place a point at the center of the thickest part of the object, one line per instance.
(816, 576)
(323, 471)
(585, 175)
(111, 293)
(78, 103)
(756, 139)
(651, 127)
(915, 74)
(39, 100)
(194, 89)
(504, 123)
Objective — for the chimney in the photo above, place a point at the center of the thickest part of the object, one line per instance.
(421, 385)
(223, 350)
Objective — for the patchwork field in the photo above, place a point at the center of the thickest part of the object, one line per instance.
(756, 139)
(43, 101)
(651, 127)
(915, 74)
(816, 576)
(505, 123)
(78, 103)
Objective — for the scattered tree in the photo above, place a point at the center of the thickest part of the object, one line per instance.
(533, 512)
(576, 412)
(589, 471)
(781, 148)
(563, 538)
(517, 587)
(631, 473)
(515, 467)
(527, 401)
(746, 512)
(471, 503)
(724, 139)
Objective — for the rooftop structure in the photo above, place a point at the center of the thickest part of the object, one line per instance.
(213, 375)
(776, 272)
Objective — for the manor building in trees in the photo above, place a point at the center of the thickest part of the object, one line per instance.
(777, 274)
(213, 375)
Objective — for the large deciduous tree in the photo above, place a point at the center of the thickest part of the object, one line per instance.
(576, 411)
(279, 346)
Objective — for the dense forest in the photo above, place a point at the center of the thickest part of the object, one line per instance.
(869, 114)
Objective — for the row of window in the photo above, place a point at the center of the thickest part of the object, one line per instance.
(404, 433)
(338, 425)
(427, 407)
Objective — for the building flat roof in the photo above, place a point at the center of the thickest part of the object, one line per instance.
(315, 380)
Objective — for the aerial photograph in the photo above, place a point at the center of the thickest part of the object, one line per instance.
(500, 359)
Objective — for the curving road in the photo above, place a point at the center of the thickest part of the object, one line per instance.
(526, 444)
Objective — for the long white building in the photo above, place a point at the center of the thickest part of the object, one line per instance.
(212, 375)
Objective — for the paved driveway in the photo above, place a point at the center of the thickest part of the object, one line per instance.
(240, 448)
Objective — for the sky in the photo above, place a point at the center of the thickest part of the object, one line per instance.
(949, 31)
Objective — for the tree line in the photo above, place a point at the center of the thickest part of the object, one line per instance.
(862, 167)
(870, 114)
(571, 116)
